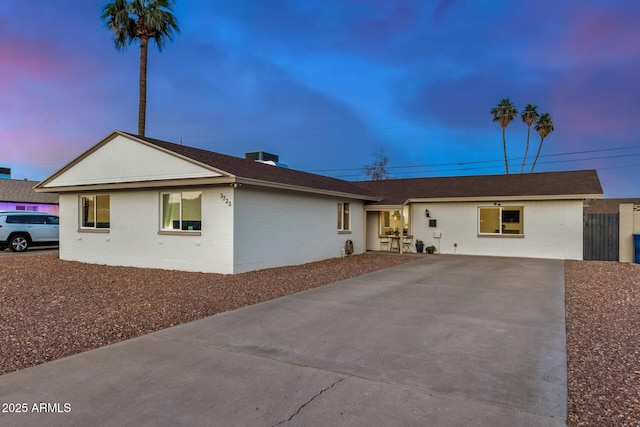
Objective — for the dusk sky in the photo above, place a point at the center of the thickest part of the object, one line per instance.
(326, 84)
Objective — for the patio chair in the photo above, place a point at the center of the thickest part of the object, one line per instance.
(406, 243)
(384, 243)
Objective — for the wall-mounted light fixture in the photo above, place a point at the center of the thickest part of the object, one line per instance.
(427, 213)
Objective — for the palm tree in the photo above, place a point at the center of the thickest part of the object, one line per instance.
(503, 113)
(529, 117)
(544, 126)
(140, 20)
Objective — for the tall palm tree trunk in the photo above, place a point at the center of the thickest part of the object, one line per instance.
(526, 149)
(504, 147)
(537, 154)
(142, 105)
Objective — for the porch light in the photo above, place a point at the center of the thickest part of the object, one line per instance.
(427, 213)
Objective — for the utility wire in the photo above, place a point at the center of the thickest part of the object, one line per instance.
(487, 161)
(362, 174)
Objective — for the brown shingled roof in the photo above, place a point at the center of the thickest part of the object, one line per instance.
(608, 206)
(574, 183)
(252, 170)
(21, 191)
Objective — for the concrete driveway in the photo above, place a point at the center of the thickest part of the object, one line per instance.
(442, 341)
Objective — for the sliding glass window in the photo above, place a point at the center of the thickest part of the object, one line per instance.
(181, 211)
(95, 212)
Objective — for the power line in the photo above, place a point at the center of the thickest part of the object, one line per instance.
(487, 161)
(362, 174)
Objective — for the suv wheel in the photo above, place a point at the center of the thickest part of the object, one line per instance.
(19, 243)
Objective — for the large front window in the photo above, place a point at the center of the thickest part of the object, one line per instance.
(344, 219)
(501, 220)
(95, 212)
(181, 211)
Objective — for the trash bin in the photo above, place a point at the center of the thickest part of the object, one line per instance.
(636, 244)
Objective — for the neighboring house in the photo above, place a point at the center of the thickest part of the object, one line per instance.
(149, 203)
(524, 215)
(19, 195)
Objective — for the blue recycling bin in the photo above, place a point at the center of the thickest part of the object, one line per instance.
(636, 244)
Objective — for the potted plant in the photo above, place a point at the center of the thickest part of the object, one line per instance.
(431, 249)
(419, 246)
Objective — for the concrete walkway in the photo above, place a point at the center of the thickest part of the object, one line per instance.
(443, 341)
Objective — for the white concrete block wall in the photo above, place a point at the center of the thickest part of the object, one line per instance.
(277, 228)
(134, 238)
(629, 225)
(552, 229)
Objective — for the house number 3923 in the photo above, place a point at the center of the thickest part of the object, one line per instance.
(225, 199)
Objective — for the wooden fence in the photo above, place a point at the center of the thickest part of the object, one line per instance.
(601, 237)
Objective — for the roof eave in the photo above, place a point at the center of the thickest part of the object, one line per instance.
(501, 198)
(140, 185)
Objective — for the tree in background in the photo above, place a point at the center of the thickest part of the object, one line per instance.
(140, 20)
(504, 113)
(544, 126)
(378, 169)
(529, 116)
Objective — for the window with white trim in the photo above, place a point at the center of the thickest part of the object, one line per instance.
(501, 220)
(181, 211)
(344, 218)
(95, 212)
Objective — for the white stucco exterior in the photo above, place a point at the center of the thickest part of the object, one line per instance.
(134, 237)
(248, 229)
(276, 228)
(552, 229)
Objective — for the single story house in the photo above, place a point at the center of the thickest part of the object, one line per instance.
(143, 202)
(535, 215)
(18, 195)
(138, 201)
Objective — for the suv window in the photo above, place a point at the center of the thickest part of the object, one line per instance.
(31, 219)
(16, 219)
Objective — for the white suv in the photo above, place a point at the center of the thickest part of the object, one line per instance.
(21, 229)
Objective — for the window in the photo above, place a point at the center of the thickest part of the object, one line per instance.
(501, 220)
(95, 212)
(393, 222)
(344, 219)
(181, 211)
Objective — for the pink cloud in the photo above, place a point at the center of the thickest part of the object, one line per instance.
(588, 107)
(599, 36)
(25, 60)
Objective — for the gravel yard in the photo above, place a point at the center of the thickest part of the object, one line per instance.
(603, 343)
(51, 308)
